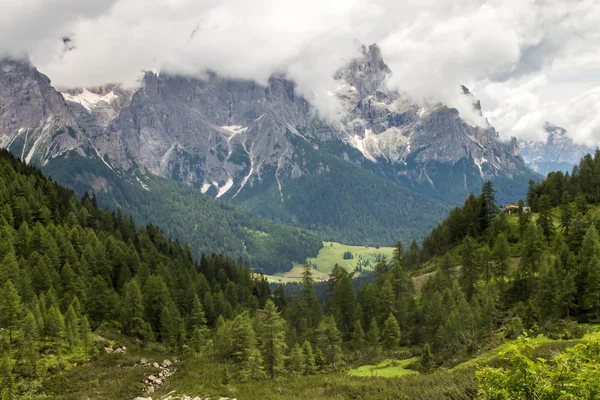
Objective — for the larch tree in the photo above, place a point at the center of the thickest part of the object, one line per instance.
(391, 333)
(272, 341)
(11, 309)
(309, 358)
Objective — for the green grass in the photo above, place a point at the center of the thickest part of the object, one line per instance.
(386, 369)
(203, 378)
(333, 253)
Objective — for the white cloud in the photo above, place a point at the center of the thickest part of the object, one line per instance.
(522, 58)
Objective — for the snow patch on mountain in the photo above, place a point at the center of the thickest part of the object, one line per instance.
(88, 99)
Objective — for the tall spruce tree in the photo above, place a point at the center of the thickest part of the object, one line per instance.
(391, 333)
(11, 308)
(469, 271)
(272, 337)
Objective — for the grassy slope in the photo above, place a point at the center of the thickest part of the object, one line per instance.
(333, 253)
(386, 369)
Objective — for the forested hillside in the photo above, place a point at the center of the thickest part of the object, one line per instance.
(208, 225)
(69, 269)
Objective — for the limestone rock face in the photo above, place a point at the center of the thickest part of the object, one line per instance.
(229, 137)
(35, 120)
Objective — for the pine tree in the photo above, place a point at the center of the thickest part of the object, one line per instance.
(71, 327)
(487, 266)
(545, 219)
(391, 333)
(469, 272)
(524, 219)
(255, 365)
(427, 359)
(446, 267)
(568, 294)
(320, 361)
(343, 304)
(86, 337)
(590, 247)
(566, 213)
(357, 337)
(273, 340)
(7, 389)
(372, 336)
(29, 346)
(592, 287)
(296, 363)
(10, 309)
(55, 323)
(330, 341)
(133, 312)
(243, 343)
(531, 251)
(197, 341)
(197, 317)
(501, 255)
(309, 358)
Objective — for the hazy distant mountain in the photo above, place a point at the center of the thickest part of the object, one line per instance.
(557, 153)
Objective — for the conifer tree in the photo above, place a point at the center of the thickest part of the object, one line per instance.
(243, 343)
(357, 336)
(197, 317)
(566, 213)
(296, 360)
(7, 389)
(501, 255)
(524, 219)
(71, 327)
(133, 312)
(592, 287)
(427, 359)
(29, 346)
(531, 251)
(273, 340)
(590, 247)
(309, 358)
(447, 266)
(391, 333)
(343, 304)
(11, 308)
(86, 337)
(487, 266)
(330, 341)
(320, 361)
(55, 323)
(469, 272)
(545, 219)
(255, 365)
(197, 340)
(372, 336)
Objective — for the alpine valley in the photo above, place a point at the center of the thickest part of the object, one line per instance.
(231, 166)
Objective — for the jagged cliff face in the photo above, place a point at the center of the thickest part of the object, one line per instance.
(391, 128)
(557, 153)
(35, 121)
(223, 135)
(234, 138)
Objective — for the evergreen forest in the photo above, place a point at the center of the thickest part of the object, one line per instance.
(485, 303)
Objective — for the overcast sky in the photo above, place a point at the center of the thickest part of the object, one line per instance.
(527, 61)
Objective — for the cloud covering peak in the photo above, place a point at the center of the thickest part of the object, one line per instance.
(528, 61)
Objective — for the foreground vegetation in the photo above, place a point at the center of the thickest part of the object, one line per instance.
(75, 277)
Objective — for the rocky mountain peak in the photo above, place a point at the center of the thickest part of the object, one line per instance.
(35, 120)
(556, 152)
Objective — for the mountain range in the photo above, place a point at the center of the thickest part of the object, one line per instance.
(557, 153)
(386, 169)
